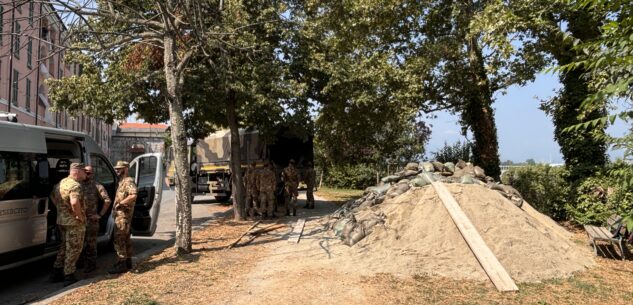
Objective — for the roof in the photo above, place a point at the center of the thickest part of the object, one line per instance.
(142, 126)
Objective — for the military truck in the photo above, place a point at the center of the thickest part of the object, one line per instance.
(210, 157)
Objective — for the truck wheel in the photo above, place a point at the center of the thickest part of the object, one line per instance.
(223, 198)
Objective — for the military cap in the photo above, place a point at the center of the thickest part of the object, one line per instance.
(80, 166)
(121, 164)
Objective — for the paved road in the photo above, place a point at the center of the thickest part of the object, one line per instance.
(30, 282)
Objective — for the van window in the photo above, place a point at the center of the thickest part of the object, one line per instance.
(61, 153)
(147, 171)
(103, 173)
(16, 172)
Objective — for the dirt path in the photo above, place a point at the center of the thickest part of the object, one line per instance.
(300, 273)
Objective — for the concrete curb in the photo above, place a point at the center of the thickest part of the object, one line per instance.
(139, 258)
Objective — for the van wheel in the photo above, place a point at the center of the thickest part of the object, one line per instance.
(223, 198)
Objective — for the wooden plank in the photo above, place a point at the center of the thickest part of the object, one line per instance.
(489, 262)
(295, 235)
(241, 236)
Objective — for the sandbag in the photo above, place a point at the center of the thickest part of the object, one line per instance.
(379, 190)
(411, 166)
(460, 164)
(355, 235)
(347, 229)
(403, 187)
(419, 182)
(403, 181)
(409, 173)
(466, 179)
(391, 178)
(449, 166)
(339, 226)
(439, 167)
(428, 167)
(479, 172)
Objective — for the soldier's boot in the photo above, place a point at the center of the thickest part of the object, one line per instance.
(119, 267)
(128, 263)
(57, 275)
(69, 279)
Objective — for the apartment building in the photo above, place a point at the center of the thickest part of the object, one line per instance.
(31, 33)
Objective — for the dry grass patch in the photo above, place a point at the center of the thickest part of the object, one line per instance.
(338, 196)
(200, 277)
(611, 282)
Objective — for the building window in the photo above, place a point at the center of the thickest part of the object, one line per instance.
(19, 7)
(29, 54)
(27, 104)
(31, 8)
(16, 45)
(14, 96)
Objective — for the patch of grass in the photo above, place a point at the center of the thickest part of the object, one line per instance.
(337, 195)
(139, 299)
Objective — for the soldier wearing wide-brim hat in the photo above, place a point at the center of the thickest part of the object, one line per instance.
(71, 219)
(123, 210)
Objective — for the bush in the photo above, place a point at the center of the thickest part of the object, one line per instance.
(542, 186)
(453, 153)
(598, 198)
(358, 176)
(591, 201)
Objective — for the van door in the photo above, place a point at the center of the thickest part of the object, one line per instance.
(147, 172)
(23, 206)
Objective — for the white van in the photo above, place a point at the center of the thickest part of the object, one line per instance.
(32, 160)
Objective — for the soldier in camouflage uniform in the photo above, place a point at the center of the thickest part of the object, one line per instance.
(92, 192)
(266, 184)
(252, 195)
(71, 219)
(123, 209)
(290, 176)
(309, 177)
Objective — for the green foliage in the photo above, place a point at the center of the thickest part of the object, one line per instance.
(601, 196)
(544, 187)
(452, 153)
(358, 176)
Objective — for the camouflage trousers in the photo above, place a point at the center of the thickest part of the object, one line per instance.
(122, 226)
(290, 196)
(89, 253)
(310, 196)
(70, 249)
(267, 202)
(252, 199)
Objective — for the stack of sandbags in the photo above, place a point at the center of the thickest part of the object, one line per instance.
(414, 175)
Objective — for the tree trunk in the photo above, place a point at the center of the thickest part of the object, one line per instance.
(582, 151)
(478, 114)
(236, 162)
(179, 143)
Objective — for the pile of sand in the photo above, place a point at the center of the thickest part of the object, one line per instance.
(419, 237)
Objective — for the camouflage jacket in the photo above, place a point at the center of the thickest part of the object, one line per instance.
(291, 176)
(92, 192)
(68, 188)
(56, 197)
(266, 180)
(126, 188)
(309, 177)
(250, 179)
